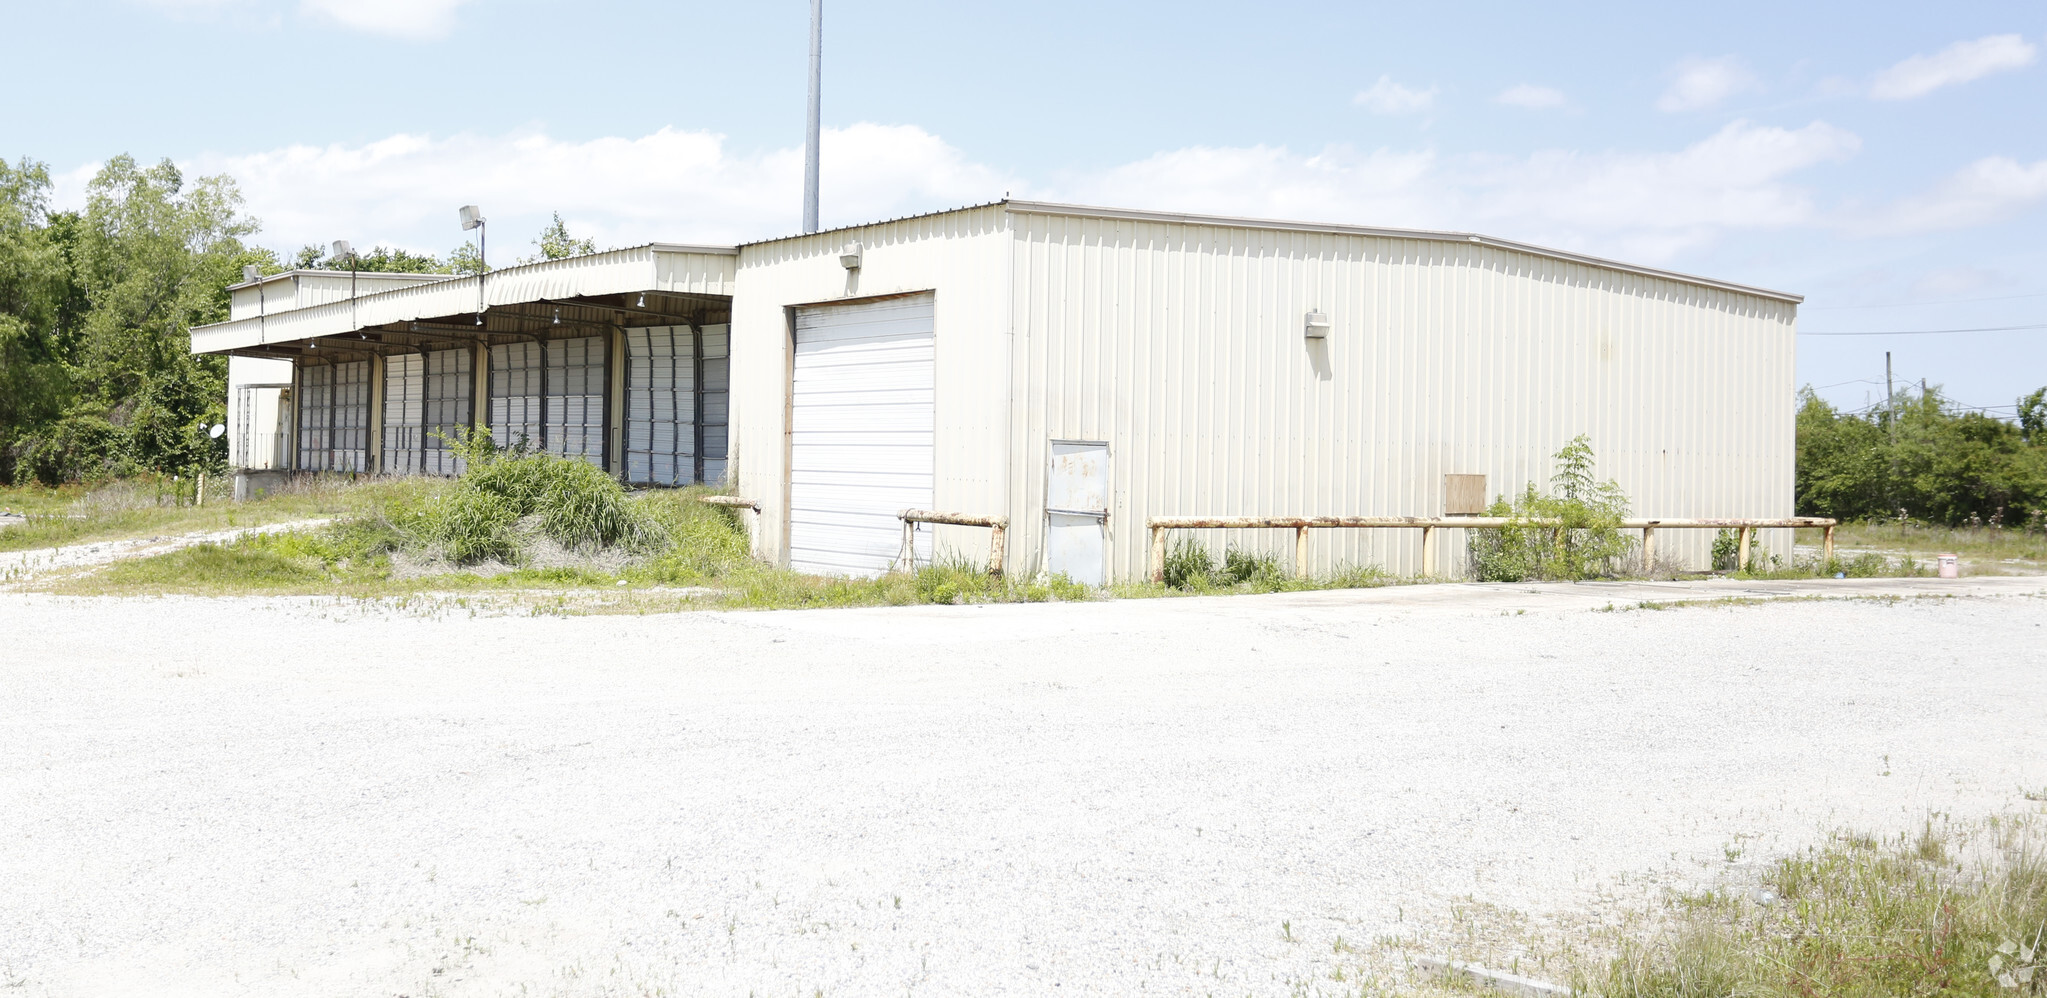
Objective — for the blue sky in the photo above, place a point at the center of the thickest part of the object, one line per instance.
(1889, 161)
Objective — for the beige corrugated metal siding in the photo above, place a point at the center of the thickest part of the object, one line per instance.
(963, 257)
(1181, 345)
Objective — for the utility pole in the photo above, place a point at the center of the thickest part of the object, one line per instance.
(1890, 397)
(811, 134)
(1891, 404)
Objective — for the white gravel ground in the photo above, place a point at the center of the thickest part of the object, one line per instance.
(310, 797)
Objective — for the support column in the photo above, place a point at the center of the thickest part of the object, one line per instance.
(373, 447)
(1158, 554)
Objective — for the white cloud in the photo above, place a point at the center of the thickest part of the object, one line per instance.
(1701, 83)
(1958, 63)
(689, 186)
(1644, 206)
(1529, 95)
(409, 19)
(413, 20)
(670, 185)
(1985, 191)
(1388, 97)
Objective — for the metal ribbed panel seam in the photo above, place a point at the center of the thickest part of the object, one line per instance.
(1184, 349)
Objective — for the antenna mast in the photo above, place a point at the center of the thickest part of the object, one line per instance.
(811, 135)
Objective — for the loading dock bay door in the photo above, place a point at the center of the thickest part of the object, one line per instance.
(862, 417)
(677, 384)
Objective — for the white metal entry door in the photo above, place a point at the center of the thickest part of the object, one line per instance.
(862, 417)
(1077, 511)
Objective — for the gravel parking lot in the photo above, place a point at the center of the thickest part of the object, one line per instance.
(1193, 796)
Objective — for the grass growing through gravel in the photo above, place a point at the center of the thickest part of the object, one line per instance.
(150, 507)
(1192, 569)
(1948, 911)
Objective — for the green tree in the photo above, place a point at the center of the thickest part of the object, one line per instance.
(38, 307)
(380, 260)
(151, 256)
(1933, 461)
(555, 243)
(2032, 414)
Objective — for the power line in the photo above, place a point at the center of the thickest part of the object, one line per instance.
(1916, 304)
(1928, 332)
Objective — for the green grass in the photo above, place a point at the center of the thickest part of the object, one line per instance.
(1191, 568)
(1947, 911)
(145, 507)
(1985, 549)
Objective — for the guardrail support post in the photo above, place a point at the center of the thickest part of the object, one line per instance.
(1158, 554)
(1300, 552)
(1428, 552)
(995, 551)
(1746, 533)
(1648, 550)
(1829, 543)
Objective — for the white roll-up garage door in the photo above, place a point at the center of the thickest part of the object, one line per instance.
(551, 397)
(334, 416)
(576, 386)
(861, 432)
(447, 397)
(677, 382)
(404, 414)
(661, 406)
(515, 395)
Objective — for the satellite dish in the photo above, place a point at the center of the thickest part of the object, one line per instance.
(216, 431)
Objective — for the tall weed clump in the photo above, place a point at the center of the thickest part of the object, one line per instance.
(577, 505)
(1585, 541)
(1862, 918)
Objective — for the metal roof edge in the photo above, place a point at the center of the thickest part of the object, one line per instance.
(878, 221)
(296, 271)
(703, 248)
(1229, 221)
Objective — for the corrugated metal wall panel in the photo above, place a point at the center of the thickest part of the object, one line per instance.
(964, 257)
(1181, 345)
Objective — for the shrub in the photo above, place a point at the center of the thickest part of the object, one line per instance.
(1585, 541)
(578, 506)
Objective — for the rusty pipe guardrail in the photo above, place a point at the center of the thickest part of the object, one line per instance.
(736, 502)
(998, 527)
(1429, 524)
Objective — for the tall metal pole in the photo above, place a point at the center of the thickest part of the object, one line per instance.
(811, 134)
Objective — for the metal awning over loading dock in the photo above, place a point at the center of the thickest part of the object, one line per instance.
(618, 358)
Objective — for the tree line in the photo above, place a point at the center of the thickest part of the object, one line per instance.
(97, 377)
(1921, 457)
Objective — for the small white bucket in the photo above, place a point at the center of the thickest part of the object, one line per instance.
(1950, 566)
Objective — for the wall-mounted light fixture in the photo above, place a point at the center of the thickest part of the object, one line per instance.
(1317, 327)
(849, 257)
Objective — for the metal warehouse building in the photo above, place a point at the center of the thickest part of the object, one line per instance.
(1076, 370)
